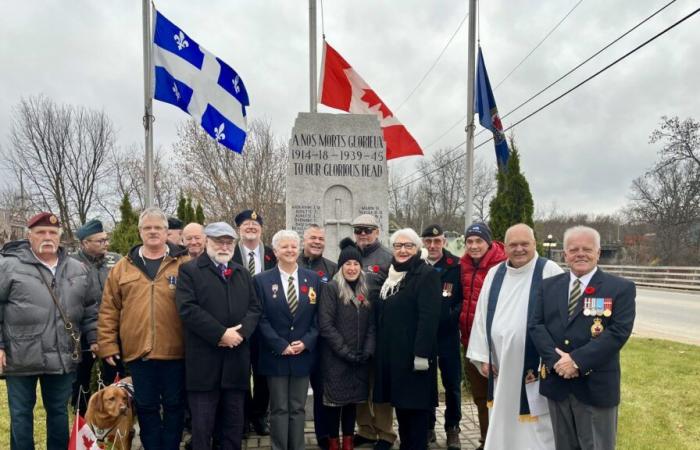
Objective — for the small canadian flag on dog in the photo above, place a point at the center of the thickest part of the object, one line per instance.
(82, 437)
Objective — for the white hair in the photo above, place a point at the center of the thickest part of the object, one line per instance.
(582, 229)
(153, 212)
(408, 233)
(285, 235)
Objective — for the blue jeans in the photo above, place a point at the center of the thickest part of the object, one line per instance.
(157, 384)
(21, 396)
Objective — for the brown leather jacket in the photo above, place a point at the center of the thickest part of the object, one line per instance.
(138, 313)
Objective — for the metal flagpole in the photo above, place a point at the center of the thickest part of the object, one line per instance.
(469, 169)
(148, 102)
(312, 56)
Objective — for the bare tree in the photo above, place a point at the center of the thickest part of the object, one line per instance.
(680, 138)
(484, 189)
(438, 194)
(127, 177)
(668, 198)
(60, 151)
(225, 182)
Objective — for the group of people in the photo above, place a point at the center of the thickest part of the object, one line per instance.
(194, 314)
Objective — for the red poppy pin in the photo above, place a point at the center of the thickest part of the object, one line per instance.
(375, 268)
(321, 273)
(589, 290)
(450, 261)
(228, 272)
(267, 258)
(361, 298)
(304, 289)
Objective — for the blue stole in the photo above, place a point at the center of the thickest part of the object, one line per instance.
(532, 358)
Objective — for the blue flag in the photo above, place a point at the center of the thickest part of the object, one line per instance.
(485, 106)
(199, 83)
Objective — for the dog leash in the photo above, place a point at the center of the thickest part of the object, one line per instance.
(98, 374)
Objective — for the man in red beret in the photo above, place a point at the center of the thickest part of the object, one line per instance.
(47, 301)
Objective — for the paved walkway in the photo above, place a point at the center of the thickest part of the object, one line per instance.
(469, 436)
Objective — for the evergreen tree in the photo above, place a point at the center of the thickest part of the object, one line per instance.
(513, 201)
(189, 212)
(199, 214)
(126, 233)
(182, 208)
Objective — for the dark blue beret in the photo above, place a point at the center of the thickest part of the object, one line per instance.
(248, 214)
(174, 223)
(91, 227)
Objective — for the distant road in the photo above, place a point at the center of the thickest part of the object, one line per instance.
(668, 315)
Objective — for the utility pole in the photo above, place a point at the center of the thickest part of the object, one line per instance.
(312, 57)
(469, 160)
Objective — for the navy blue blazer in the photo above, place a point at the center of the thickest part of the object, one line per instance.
(278, 328)
(598, 358)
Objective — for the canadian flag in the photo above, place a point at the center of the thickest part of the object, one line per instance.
(342, 88)
(82, 437)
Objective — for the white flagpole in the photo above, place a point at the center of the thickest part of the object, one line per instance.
(148, 102)
(469, 175)
(312, 57)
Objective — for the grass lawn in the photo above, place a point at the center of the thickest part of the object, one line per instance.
(660, 406)
(660, 398)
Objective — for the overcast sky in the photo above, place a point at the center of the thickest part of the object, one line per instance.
(580, 154)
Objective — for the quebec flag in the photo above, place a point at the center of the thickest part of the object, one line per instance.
(199, 83)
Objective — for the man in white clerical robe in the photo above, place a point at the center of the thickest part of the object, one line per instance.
(518, 414)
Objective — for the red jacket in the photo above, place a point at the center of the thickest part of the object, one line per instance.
(472, 280)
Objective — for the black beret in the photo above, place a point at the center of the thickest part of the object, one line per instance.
(434, 230)
(43, 219)
(248, 214)
(91, 227)
(174, 223)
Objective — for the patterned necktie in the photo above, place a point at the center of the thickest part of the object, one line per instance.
(574, 297)
(222, 270)
(251, 263)
(292, 300)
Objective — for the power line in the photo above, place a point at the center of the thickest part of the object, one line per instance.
(538, 45)
(589, 58)
(548, 104)
(504, 79)
(614, 41)
(430, 69)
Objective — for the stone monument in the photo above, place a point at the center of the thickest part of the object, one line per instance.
(337, 170)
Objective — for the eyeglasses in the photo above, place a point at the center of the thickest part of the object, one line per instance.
(363, 230)
(406, 245)
(223, 242)
(98, 241)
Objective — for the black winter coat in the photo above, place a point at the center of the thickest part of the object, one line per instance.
(209, 304)
(407, 326)
(347, 329)
(451, 300)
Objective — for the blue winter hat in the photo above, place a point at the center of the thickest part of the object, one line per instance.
(479, 229)
(93, 226)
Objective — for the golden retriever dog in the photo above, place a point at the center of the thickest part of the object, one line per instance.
(111, 416)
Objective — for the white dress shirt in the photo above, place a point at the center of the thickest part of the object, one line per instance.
(256, 257)
(284, 276)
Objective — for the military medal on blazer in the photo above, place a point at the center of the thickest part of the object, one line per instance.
(597, 307)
